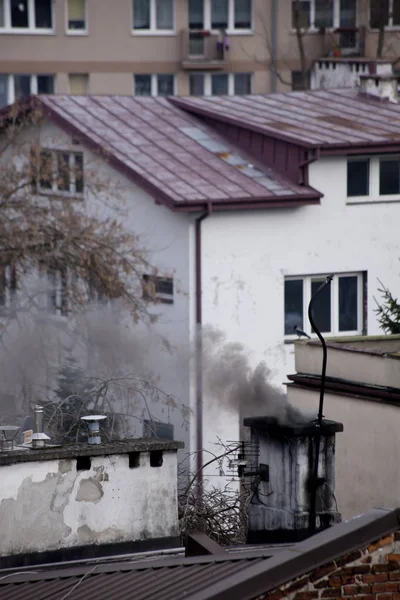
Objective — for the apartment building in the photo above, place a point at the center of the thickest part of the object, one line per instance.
(178, 47)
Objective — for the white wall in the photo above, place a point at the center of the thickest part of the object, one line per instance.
(247, 255)
(47, 505)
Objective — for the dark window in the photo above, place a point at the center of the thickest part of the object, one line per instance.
(321, 306)
(293, 305)
(134, 460)
(83, 463)
(396, 12)
(358, 177)
(156, 458)
(219, 84)
(45, 84)
(196, 14)
(301, 14)
(159, 289)
(323, 13)
(78, 169)
(43, 16)
(164, 14)
(19, 13)
(46, 170)
(242, 83)
(141, 14)
(22, 86)
(3, 90)
(155, 429)
(63, 172)
(298, 82)
(242, 14)
(142, 85)
(389, 177)
(348, 303)
(379, 13)
(165, 85)
(196, 84)
(219, 14)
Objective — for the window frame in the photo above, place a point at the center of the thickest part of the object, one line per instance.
(336, 18)
(207, 81)
(157, 297)
(374, 180)
(54, 190)
(153, 84)
(231, 30)
(78, 32)
(389, 26)
(31, 29)
(334, 292)
(33, 84)
(153, 30)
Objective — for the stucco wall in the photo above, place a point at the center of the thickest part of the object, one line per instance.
(46, 505)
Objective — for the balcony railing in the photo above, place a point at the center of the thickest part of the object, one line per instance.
(202, 50)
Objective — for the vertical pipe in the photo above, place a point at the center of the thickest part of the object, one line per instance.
(38, 419)
(274, 43)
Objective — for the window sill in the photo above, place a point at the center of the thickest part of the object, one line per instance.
(387, 28)
(57, 195)
(153, 32)
(27, 32)
(77, 32)
(379, 200)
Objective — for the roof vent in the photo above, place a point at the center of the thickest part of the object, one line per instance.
(39, 438)
(383, 87)
(93, 423)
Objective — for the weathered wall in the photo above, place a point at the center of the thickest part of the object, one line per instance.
(46, 505)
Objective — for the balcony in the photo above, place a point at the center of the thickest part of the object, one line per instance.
(201, 50)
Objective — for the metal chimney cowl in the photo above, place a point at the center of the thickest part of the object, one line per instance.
(39, 438)
(280, 507)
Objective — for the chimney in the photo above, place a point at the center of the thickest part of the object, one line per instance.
(39, 438)
(381, 85)
(281, 505)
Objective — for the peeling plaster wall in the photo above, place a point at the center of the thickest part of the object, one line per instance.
(46, 505)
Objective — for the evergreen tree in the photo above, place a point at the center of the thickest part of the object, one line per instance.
(388, 312)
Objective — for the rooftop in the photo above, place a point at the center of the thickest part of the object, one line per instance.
(327, 119)
(181, 161)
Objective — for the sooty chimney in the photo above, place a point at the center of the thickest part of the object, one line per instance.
(281, 506)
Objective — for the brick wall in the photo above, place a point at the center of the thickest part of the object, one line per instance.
(371, 573)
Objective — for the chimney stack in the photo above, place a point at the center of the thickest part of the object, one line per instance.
(39, 438)
(381, 85)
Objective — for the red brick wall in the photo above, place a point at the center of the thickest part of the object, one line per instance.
(371, 573)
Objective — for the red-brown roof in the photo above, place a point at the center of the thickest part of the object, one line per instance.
(179, 160)
(319, 118)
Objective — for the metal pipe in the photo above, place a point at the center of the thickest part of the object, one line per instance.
(314, 480)
(199, 348)
(38, 419)
(274, 44)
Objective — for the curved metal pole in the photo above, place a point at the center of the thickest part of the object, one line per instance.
(324, 350)
(314, 480)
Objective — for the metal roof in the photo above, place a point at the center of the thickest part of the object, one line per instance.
(176, 157)
(243, 575)
(319, 118)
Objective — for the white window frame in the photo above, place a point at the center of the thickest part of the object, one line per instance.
(154, 83)
(33, 84)
(374, 167)
(389, 26)
(78, 32)
(231, 30)
(231, 81)
(54, 191)
(334, 290)
(153, 22)
(336, 17)
(31, 29)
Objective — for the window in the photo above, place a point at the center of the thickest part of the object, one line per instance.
(384, 13)
(330, 14)
(158, 289)
(26, 16)
(154, 85)
(15, 87)
(61, 172)
(78, 84)
(298, 83)
(153, 15)
(156, 429)
(8, 285)
(217, 84)
(77, 16)
(232, 15)
(338, 310)
(374, 178)
(57, 291)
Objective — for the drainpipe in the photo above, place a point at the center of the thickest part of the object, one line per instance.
(302, 166)
(274, 43)
(199, 349)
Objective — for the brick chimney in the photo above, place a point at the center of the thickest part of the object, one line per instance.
(380, 85)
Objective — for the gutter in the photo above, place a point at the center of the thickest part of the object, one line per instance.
(199, 346)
